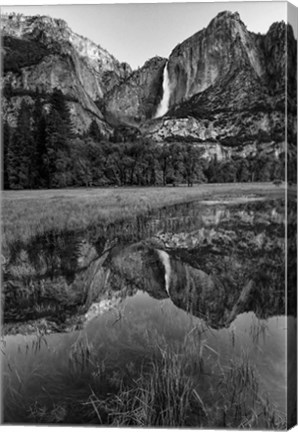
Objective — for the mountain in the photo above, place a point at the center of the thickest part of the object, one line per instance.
(226, 86)
(212, 54)
(43, 53)
(227, 90)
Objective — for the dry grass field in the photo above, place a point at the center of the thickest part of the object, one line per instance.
(31, 212)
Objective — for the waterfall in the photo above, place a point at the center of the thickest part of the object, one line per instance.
(164, 103)
(165, 259)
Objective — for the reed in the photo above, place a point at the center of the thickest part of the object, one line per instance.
(174, 387)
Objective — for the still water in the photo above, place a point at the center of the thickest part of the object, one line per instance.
(125, 335)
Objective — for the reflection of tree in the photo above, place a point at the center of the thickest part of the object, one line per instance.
(292, 258)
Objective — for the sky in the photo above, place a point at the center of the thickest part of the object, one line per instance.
(136, 32)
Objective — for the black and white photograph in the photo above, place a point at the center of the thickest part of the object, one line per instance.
(149, 215)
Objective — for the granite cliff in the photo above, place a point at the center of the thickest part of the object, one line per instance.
(41, 53)
(136, 99)
(212, 54)
(227, 84)
(228, 88)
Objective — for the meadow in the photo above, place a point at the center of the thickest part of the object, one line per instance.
(29, 213)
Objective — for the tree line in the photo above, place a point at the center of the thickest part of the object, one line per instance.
(42, 151)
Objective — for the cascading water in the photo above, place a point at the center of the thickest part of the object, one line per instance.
(164, 103)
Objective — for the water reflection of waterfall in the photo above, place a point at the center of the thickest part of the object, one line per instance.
(164, 103)
(165, 259)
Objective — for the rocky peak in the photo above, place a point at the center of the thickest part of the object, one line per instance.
(43, 53)
(50, 31)
(275, 39)
(229, 27)
(209, 55)
(274, 49)
(225, 16)
(43, 28)
(277, 30)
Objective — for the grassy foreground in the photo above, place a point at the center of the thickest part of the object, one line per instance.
(26, 214)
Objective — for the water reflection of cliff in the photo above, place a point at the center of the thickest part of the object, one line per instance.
(214, 262)
(217, 297)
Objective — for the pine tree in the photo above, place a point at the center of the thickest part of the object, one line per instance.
(55, 144)
(177, 163)
(213, 170)
(58, 134)
(164, 158)
(59, 104)
(6, 142)
(193, 170)
(94, 131)
(243, 172)
(20, 151)
(39, 136)
(41, 152)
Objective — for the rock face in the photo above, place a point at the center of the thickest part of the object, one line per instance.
(43, 53)
(227, 53)
(137, 97)
(228, 88)
(211, 54)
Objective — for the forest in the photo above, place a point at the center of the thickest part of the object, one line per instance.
(42, 151)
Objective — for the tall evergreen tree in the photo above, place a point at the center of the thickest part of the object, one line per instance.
(6, 142)
(20, 151)
(177, 163)
(243, 171)
(164, 158)
(56, 145)
(39, 136)
(192, 165)
(94, 131)
(212, 170)
(41, 152)
(58, 135)
(59, 104)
